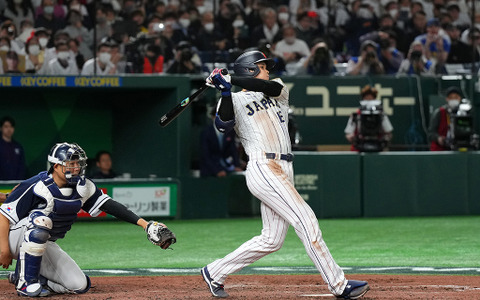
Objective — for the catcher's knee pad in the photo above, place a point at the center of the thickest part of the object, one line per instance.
(87, 287)
(39, 220)
(37, 234)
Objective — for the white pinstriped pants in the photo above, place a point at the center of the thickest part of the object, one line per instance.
(271, 181)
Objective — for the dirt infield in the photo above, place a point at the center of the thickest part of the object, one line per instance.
(271, 287)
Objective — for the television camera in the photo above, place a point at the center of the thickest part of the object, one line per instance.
(370, 137)
(461, 134)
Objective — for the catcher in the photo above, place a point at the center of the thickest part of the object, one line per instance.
(42, 209)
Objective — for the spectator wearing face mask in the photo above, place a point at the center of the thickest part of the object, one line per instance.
(62, 64)
(51, 52)
(4, 44)
(77, 5)
(48, 19)
(283, 15)
(9, 31)
(241, 37)
(292, 50)
(76, 30)
(104, 29)
(43, 36)
(181, 31)
(104, 65)
(33, 55)
(440, 120)
(208, 38)
(363, 20)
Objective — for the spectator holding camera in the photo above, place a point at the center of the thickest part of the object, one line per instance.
(389, 55)
(436, 43)
(9, 31)
(367, 63)
(440, 120)
(184, 61)
(416, 63)
(377, 129)
(319, 62)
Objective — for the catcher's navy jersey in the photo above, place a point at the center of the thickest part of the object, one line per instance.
(40, 193)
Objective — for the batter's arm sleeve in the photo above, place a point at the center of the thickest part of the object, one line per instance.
(225, 111)
(268, 87)
(119, 211)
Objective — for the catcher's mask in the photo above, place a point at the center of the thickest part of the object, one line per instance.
(72, 157)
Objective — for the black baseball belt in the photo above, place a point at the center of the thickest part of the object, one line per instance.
(288, 157)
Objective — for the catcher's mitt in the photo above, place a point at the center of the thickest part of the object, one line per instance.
(160, 235)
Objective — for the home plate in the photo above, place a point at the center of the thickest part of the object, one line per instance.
(316, 295)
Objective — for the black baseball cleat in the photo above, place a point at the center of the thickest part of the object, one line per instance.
(216, 288)
(354, 289)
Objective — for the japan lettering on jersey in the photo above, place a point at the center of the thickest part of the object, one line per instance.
(261, 122)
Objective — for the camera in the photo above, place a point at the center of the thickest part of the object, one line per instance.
(321, 54)
(185, 50)
(370, 56)
(461, 135)
(416, 55)
(384, 44)
(186, 54)
(370, 137)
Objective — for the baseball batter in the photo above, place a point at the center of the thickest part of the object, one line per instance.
(259, 115)
(42, 209)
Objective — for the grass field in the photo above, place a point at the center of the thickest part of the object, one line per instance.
(432, 242)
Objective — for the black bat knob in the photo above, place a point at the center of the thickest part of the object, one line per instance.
(224, 72)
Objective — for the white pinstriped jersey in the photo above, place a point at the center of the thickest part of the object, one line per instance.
(261, 122)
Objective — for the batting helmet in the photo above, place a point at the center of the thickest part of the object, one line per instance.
(245, 64)
(62, 153)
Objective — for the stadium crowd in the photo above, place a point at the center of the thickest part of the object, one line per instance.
(106, 37)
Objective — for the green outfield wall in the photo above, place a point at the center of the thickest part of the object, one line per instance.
(120, 114)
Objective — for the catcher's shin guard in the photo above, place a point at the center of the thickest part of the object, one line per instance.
(28, 284)
(32, 249)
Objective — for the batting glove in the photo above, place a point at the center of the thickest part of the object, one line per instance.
(208, 81)
(223, 83)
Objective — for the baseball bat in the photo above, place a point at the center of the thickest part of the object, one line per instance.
(180, 107)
